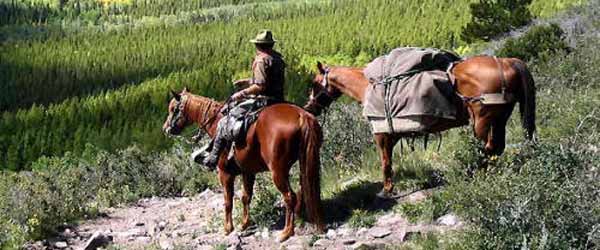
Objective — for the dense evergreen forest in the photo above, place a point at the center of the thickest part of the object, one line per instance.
(70, 79)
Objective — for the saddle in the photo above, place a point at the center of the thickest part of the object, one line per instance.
(241, 115)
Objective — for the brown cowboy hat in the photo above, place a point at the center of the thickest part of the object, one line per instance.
(264, 37)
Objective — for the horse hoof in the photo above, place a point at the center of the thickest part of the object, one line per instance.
(285, 236)
(228, 231)
(245, 226)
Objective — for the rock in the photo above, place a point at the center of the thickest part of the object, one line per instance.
(331, 234)
(61, 244)
(321, 243)
(343, 231)
(165, 245)
(206, 193)
(391, 220)
(367, 246)
(38, 245)
(139, 232)
(448, 220)
(144, 239)
(296, 247)
(379, 232)
(161, 225)
(97, 240)
(265, 233)
(138, 224)
(362, 231)
(69, 233)
(234, 239)
(236, 247)
(348, 241)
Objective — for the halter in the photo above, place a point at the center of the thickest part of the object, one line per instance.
(177, 113)
(323, 94)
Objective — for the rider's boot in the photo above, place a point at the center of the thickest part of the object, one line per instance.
(199, 155)
(219, 144)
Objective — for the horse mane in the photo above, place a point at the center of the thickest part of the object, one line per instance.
(201, 107)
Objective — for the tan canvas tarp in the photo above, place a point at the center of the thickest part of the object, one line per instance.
(416, 88)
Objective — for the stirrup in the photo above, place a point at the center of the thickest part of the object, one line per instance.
(199, 155)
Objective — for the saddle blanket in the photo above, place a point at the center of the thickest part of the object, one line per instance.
(410, 91)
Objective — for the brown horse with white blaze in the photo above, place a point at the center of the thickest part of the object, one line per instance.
(474, 77)
(282, 134)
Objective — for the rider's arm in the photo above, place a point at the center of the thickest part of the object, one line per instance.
(254, 89)
(242, 83)
(259, 80)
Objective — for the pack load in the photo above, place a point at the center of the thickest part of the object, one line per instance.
(410, 91)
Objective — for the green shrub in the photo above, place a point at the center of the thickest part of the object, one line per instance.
(65, 189)
(346, 136)
(538, 43)
(264, 208)
(362, 218)
(543, 197)
(493, 17)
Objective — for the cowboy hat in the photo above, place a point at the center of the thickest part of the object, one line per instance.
(264, 37)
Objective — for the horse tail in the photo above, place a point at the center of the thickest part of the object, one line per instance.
(527, 100)
(310, 166)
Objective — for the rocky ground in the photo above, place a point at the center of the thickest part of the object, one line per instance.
(196, 223)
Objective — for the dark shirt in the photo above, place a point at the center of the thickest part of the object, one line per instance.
(268, 71)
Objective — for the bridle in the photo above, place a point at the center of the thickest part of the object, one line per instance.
(177, 113)
(323, 98)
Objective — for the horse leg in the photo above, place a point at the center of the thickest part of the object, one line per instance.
(282, 183)
(497, 142)
(385, 144)
(227, 180)
(248, 185)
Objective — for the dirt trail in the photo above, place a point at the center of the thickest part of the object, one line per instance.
(196, 223)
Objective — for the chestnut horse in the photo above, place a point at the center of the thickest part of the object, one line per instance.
(474, 77)
(281, 135)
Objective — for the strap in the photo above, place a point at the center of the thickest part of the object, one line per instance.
(502, 78)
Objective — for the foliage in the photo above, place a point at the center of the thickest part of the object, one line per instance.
(63, 190)
(493, 17)
(267, 207)
(543, 197)
(97, 11)
(108, 86)
(539, 42)
(342, 149)
(361, 218)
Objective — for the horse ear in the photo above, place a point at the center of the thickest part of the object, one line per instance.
(176, 95)
(185, 90)
(320, 67)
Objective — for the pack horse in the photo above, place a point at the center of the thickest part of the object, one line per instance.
(414, 91)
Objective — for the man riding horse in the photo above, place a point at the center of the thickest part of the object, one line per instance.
(266, 83)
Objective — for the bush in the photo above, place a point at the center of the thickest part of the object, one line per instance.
(346, 134)
(66, 189)
(493, 17)
(543, 197)
(538, 43)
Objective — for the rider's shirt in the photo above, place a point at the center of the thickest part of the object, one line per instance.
(268, 71)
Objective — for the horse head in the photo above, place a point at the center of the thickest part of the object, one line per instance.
(322, 93)
(177, 119)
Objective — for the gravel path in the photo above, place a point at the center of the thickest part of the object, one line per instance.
(196, 223)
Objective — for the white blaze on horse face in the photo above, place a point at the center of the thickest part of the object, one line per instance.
(324, 81)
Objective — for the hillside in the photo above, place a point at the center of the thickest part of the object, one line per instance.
(66, 88)
(98, 98)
